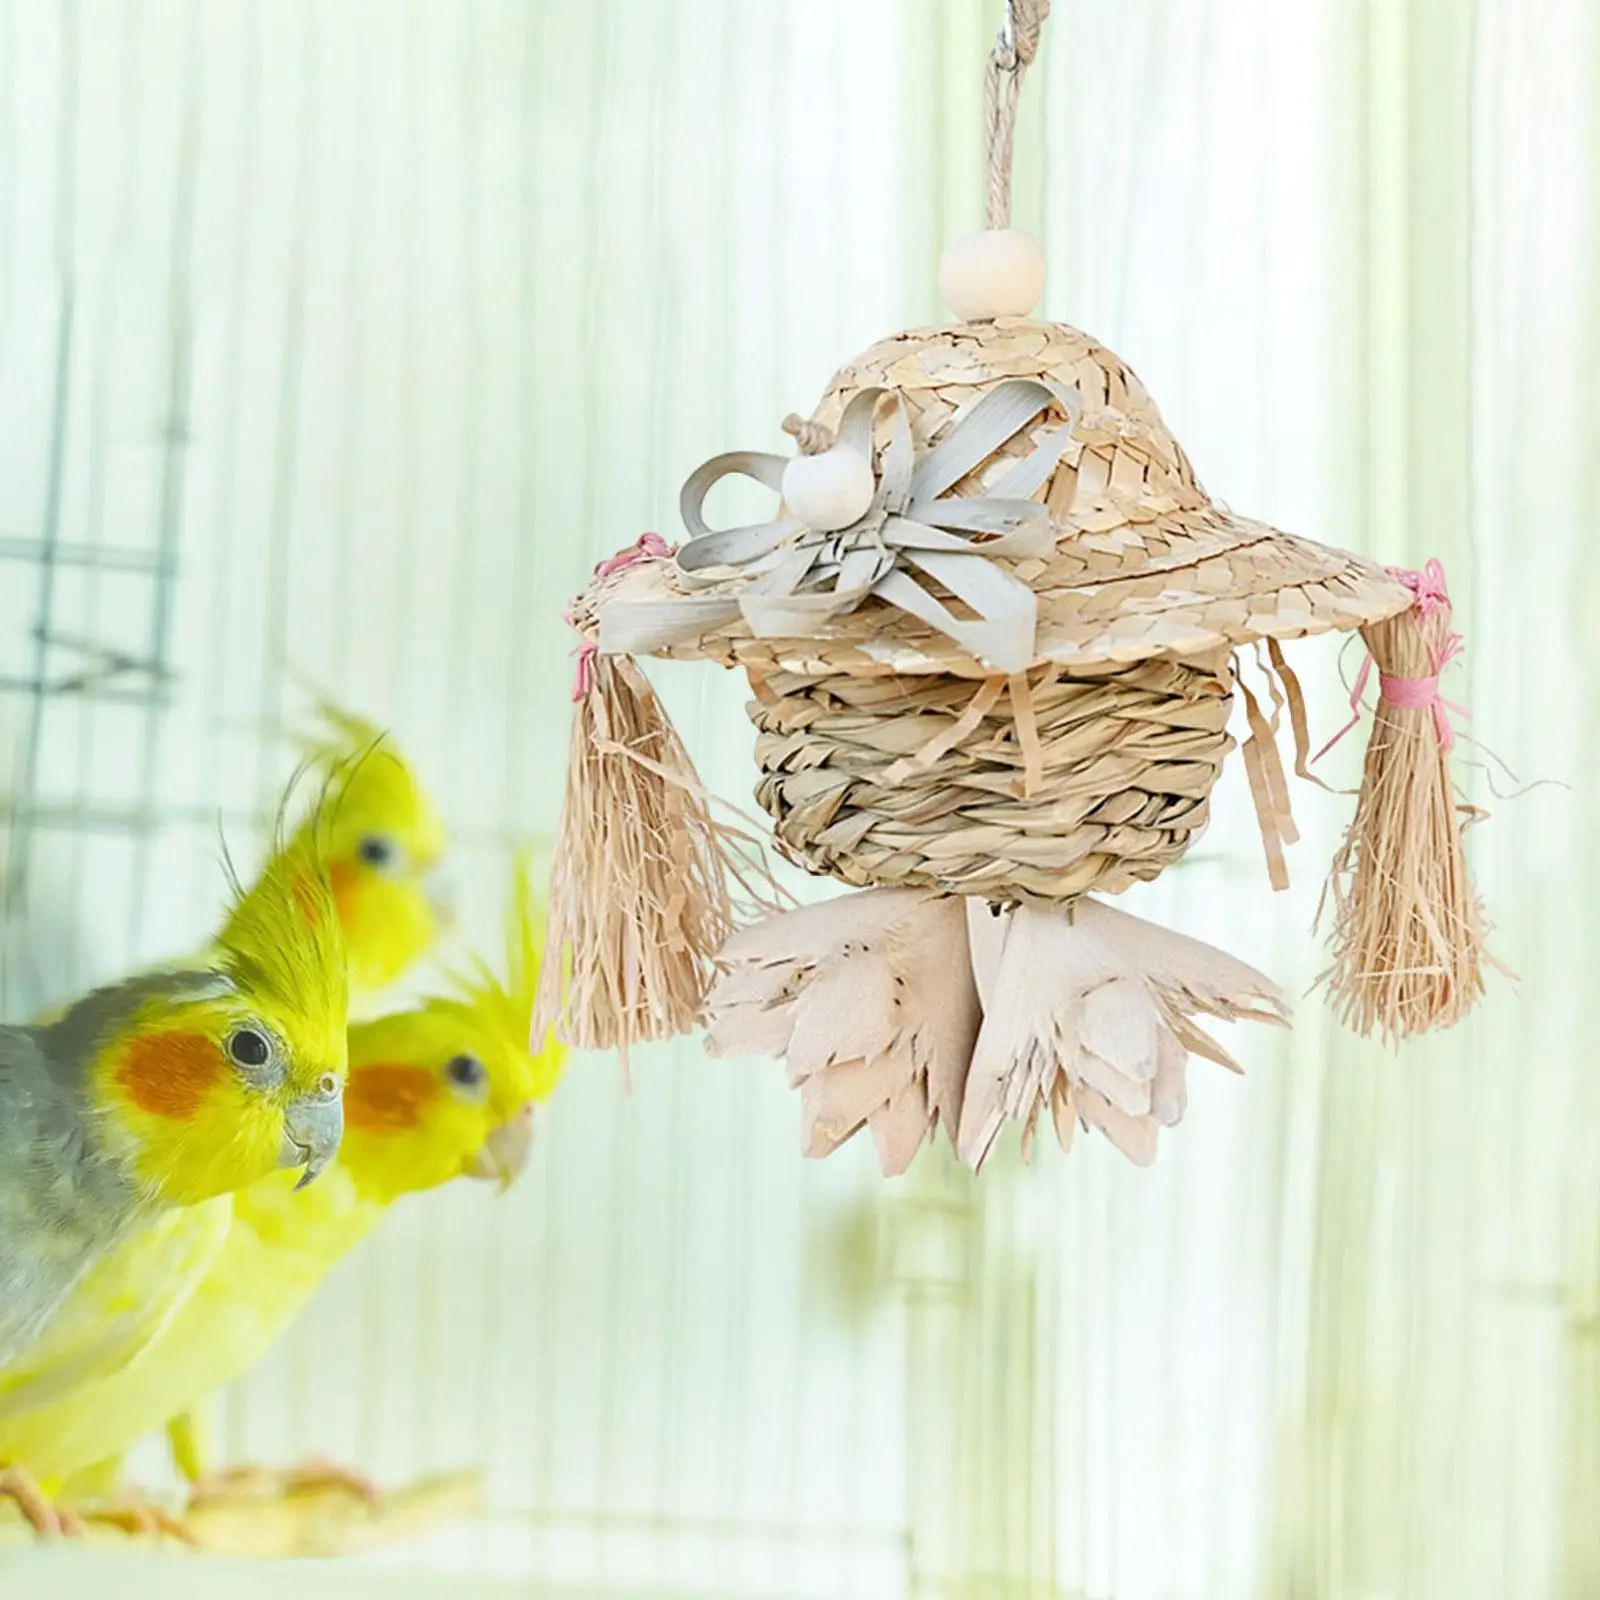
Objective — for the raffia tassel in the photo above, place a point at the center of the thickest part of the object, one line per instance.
(641, 893)
(1408, 932)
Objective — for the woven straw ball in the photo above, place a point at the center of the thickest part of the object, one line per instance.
(1127, 757)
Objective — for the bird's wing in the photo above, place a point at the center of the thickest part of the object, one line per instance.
(119, 1308)
(267, 1266)
(57, 1212)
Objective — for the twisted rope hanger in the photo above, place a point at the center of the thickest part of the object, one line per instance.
(1013, 53)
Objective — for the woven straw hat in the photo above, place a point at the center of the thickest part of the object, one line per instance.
(1143, 562)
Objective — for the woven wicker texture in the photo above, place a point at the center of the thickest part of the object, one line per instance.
(1145, 563)
(926, 782)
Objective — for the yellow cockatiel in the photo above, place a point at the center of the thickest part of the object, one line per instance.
(378, 841)
(135, 1111)
(442, 1090)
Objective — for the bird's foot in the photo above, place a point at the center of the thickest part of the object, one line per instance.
(141, 1519)
(318, 1473)
(231, 1481)
(46, 1520)
(312, 1476)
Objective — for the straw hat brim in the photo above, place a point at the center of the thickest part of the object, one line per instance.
(1121, 586)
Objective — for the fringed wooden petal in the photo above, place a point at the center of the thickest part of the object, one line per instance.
(1089, 1010)
(871, 1000)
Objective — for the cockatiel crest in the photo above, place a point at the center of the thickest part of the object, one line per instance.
(384, 843)
(206, 1069)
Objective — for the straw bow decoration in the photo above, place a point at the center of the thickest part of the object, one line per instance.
(800, 577)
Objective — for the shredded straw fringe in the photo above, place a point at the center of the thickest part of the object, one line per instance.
(1408, 928)
(644, 881)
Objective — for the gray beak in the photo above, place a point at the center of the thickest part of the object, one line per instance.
(312, 1128)
(505, 1152)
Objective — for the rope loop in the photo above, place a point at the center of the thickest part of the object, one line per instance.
(1013, 53)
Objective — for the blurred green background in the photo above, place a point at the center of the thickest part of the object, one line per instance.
(350, 333)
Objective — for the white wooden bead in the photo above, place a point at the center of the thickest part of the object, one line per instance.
(830, 490)
(996, 273)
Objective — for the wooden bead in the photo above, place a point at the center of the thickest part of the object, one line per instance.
(830, 490)
(996, 273)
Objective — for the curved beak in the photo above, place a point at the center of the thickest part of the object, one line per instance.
(504, 1154)
(312, 1128)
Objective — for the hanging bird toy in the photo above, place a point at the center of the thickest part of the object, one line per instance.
(992, 636)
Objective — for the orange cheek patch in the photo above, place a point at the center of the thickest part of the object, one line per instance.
(171, 1074)
(343, 877)
(387, 1096)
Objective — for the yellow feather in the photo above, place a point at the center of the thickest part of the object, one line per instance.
(114, 1315)
(371, 783)
(507, 1006)
(283, 944)
(384, 842)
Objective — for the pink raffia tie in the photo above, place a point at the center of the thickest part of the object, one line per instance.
(647, 547)
(1413, 694)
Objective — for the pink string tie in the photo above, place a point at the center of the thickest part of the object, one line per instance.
(1428, 586)
(583, 678)
(647, 547)
(1413, 694)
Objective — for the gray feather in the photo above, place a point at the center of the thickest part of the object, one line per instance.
(73, 1039)
(66, 1196)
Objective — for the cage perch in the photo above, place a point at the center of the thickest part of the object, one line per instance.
(270, 1523)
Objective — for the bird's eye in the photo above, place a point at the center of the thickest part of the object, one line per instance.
(378, 851)
(466, 1071)
(249, 1048)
